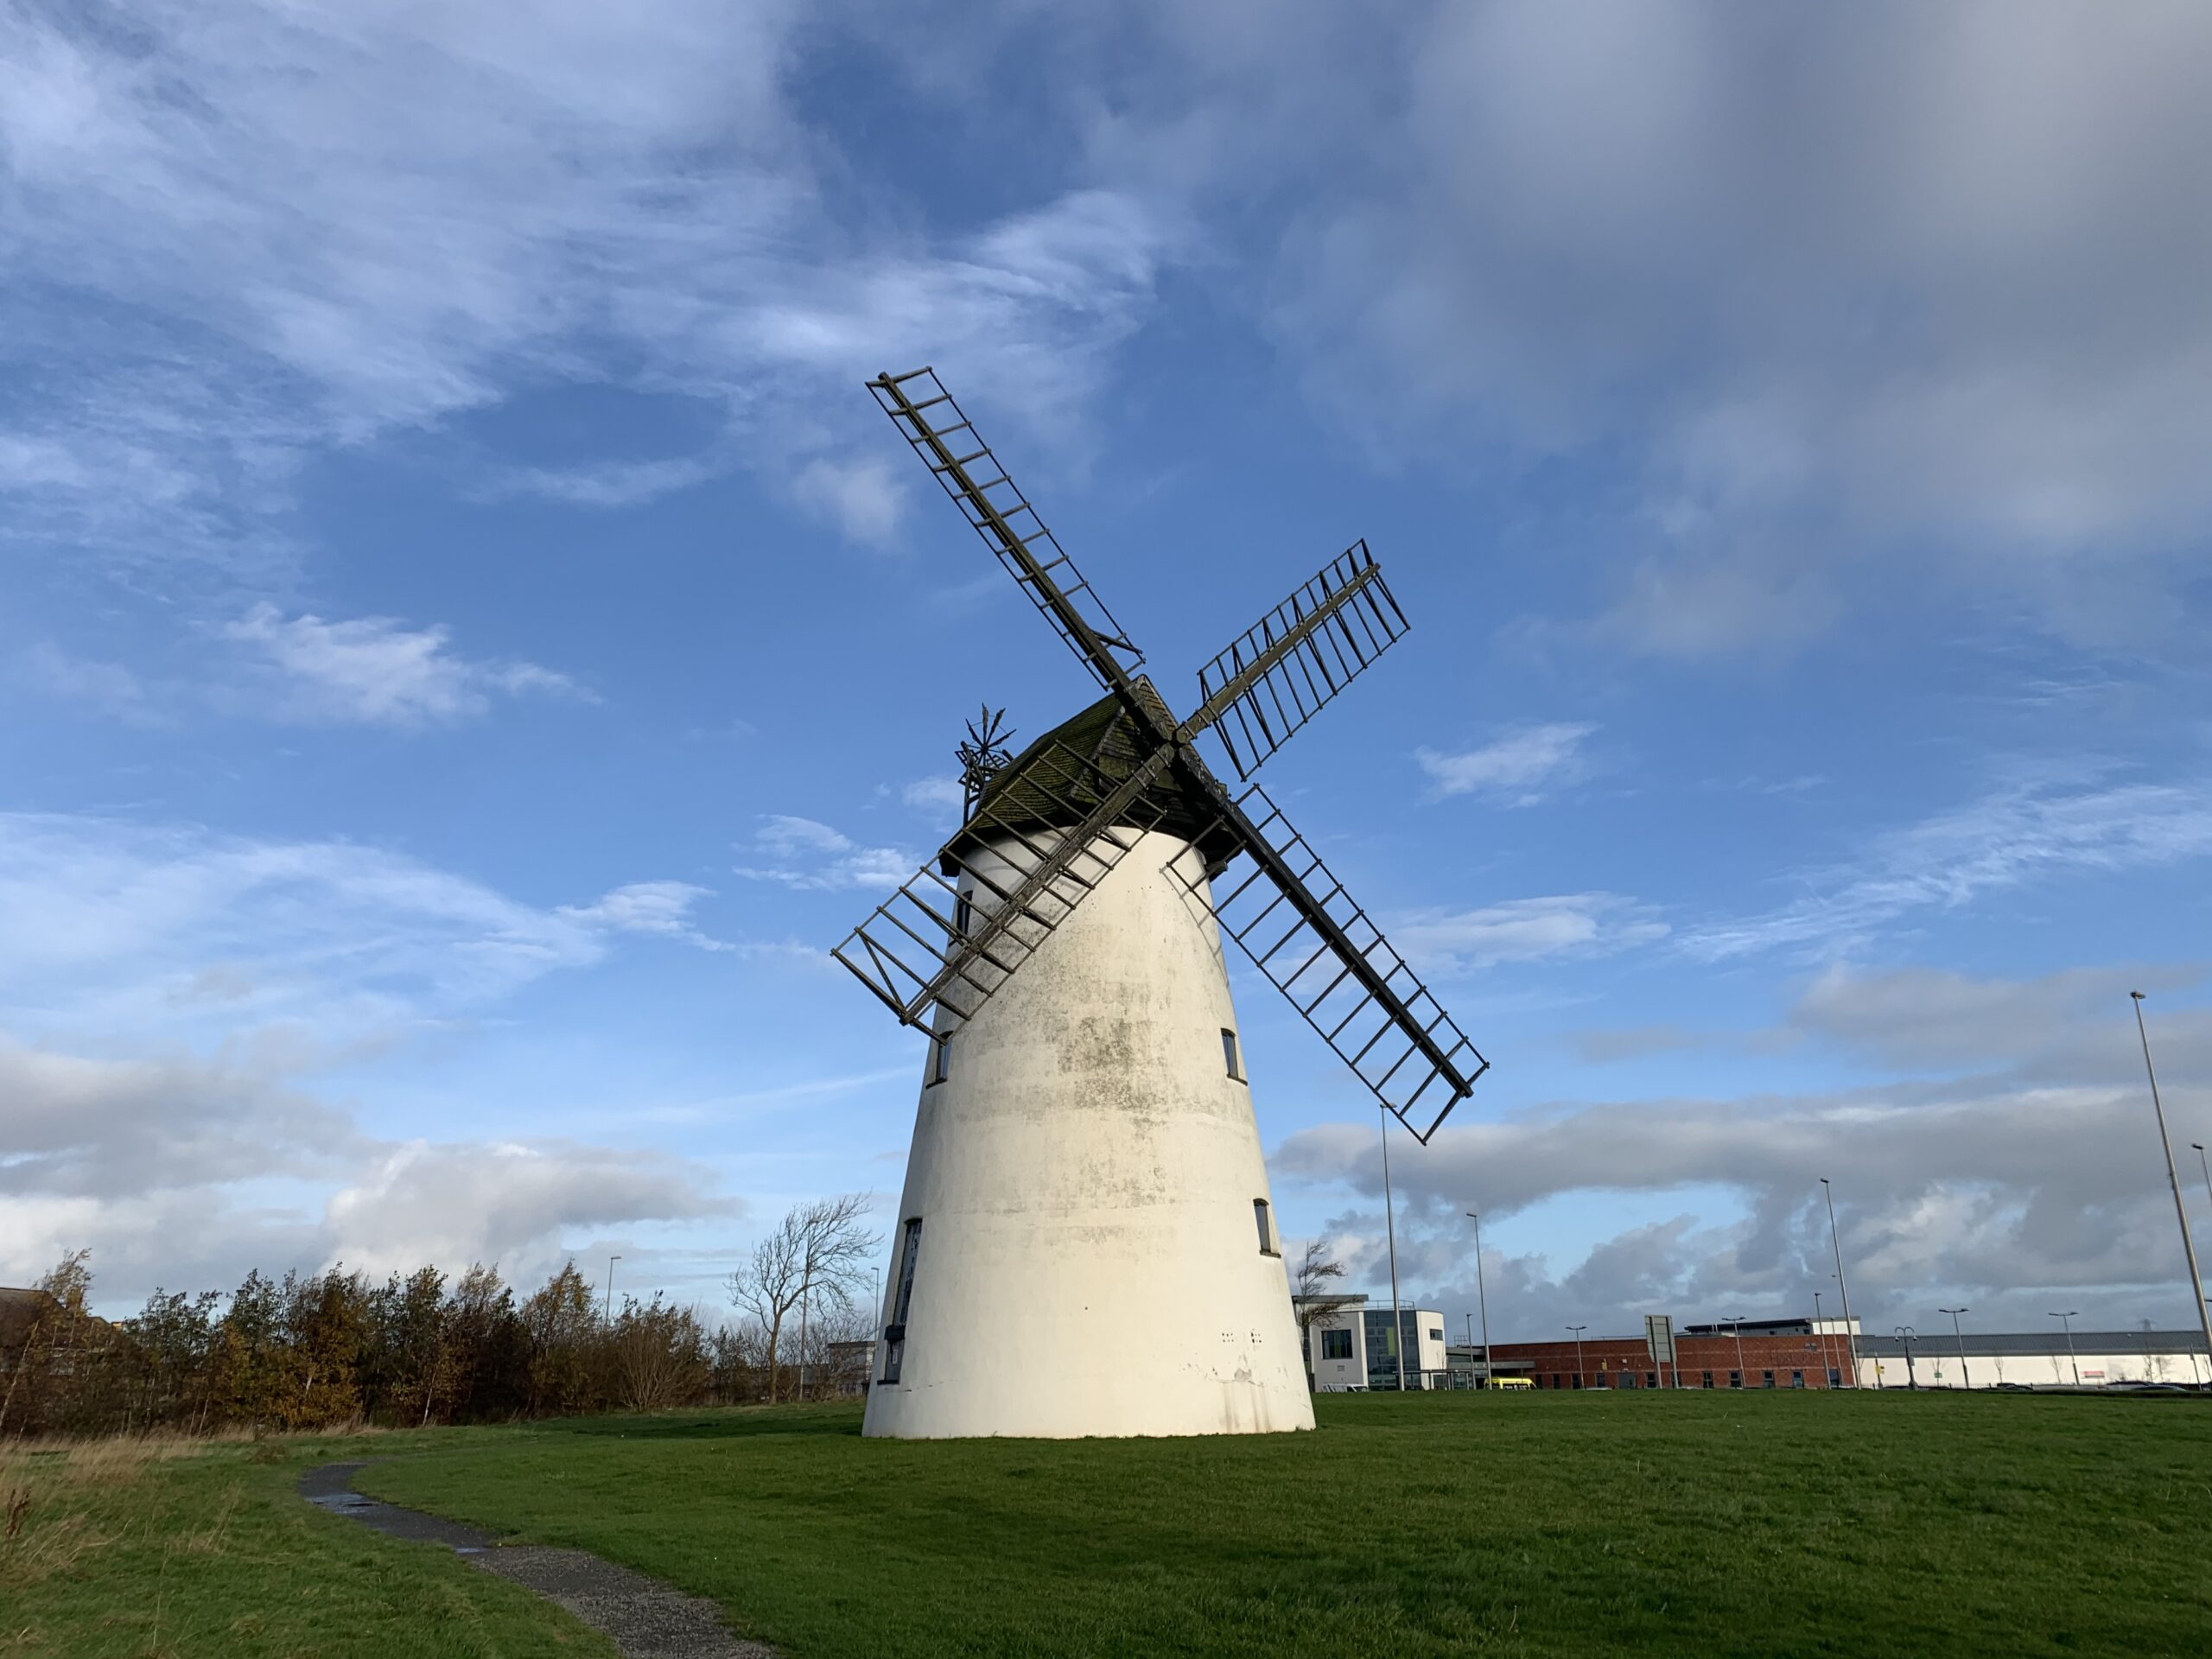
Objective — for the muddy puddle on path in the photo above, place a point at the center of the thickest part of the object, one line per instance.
(645, 1618)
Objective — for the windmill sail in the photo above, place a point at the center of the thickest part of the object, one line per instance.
(962, 463)
(1316, 945)
(1282, 671)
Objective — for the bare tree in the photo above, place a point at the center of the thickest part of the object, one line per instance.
(1311, 1301)
(819, 1252)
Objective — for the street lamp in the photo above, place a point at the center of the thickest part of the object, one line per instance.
(1965, 1381)
(1578, 1330)
(2066, 1319)
(1835, 1240)
(1911, 1378)
(606, 1315)
(2205, 1167)
(1390, 1222)
(1481, 1296)
(2181, 1210)
(1742, 1381)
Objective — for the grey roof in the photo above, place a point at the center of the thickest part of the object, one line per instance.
(2037, 1344)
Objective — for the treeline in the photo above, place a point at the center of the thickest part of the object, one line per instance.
(322, 1350)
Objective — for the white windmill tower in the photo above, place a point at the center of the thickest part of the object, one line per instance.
(1086, 1243)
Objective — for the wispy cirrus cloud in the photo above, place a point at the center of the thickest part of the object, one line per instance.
(805, 854)
(375, 670)
(111, 925)
(2022, 831)
(1525, 929)
(1517, 768)
(223, 274)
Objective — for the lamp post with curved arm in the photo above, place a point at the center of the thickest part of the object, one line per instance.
(2066, 1319)
(1906, 1333)
(1578, 1330)
(1965, 1381)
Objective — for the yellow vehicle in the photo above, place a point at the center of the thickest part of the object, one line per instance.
(1511, 1382)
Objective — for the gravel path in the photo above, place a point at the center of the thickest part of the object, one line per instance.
(646, 1618)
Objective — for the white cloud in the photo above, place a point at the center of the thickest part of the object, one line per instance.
(184, 1173)
(1989, 1189)
(941, 797)
(281, 267)
(110, 688)
(658, 907)
(509, 1203)
(107, 924)
(607, 484)
(1524, 930)
(2024, 830)
(374, 670)
(1519, 765)
(860, 497)
(805, 854)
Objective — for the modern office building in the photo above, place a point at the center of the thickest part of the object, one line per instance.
(1352, 1346)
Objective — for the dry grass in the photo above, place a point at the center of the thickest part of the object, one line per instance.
(174, 1544)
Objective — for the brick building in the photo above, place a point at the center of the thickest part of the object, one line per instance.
(1781, 1354)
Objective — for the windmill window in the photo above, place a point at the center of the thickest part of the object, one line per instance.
(940, 1058)
(963, 916)
(895, 1331)
(1229, 1054)
(1267, 1227)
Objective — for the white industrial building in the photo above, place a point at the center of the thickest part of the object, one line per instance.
(1352, 1346)
(2034, 1359)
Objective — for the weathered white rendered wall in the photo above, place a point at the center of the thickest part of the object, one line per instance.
(1089, 1261)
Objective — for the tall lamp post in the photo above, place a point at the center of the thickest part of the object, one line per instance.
(1481, 1296)
(1835, 1239)
(2198, 1146)
(1906, 1334)
(1390, 1222)
(1578, 1330)
(606, 1314)
(2066, 1319)
(1965, 1381)
(2181, 1211)
(1742, 1380)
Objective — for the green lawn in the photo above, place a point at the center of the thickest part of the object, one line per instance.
(129, 1549)
(1783, 1523)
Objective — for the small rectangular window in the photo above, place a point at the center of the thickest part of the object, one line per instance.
(1835, 1378)
(940, 1058)
(1436, 1335)
(1767, 1381)
(1705, 1379)
(1735, 1379)
(1578, 1382)
(1651, 1379)
(894, 1332)
(1336, 1344)
(1797, 1379)
(1267, 1227)
(1228, 1053)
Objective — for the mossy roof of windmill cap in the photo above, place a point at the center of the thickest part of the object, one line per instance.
(1031, 791)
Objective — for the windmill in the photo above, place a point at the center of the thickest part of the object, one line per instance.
(1086, 1242)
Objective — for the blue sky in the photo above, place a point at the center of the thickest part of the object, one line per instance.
(472, 644)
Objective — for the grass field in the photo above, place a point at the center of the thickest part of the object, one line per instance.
(1780, 1523)
(142, 1548)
